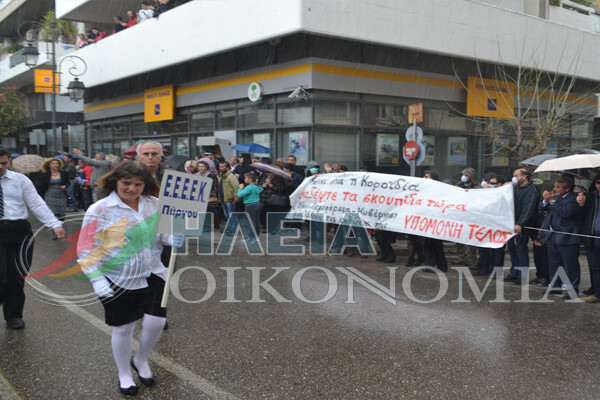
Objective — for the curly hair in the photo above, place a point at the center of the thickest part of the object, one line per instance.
(129, 169)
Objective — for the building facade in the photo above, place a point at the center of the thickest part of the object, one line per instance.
(328, 80)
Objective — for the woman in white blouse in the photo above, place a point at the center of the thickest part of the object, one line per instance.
(128, 276)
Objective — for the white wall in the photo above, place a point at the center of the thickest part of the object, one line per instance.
(463, 28)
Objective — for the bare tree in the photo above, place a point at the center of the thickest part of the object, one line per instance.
(543, 103)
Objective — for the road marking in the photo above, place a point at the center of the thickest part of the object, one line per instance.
(6, 390)
(181, 372)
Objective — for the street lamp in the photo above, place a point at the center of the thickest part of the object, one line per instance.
(30, 55)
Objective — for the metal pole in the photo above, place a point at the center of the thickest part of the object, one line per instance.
(413, 162)
(54, 83)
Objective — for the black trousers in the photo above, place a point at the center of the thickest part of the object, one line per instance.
(13, 234)
(384, 241)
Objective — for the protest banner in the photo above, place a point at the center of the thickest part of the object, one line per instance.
(424, 207)
(181, 195)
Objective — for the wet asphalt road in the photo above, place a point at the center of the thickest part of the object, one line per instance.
(246, 343)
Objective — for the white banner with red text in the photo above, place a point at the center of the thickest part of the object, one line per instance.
(424, 207)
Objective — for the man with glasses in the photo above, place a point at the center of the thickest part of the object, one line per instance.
(591, 227)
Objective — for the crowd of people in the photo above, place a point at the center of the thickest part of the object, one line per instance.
(543, 219)
(148, 10)
(557, 222)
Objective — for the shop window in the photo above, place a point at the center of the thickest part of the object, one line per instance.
(294, 113)
(294, 142)
(263, 138)
(444, 120)
(77, 136)
(336, 113)
(339, 147)
(225, 119)
(204, 121)
(96, 132)
(140, 128)
(178, 124)
(382, 115)
(181, 146)
(256, 116)
(120, 129)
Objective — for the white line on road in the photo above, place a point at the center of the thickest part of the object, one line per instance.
(6, 390)
(181, 372)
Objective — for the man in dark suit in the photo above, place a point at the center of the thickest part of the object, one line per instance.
(564, 215)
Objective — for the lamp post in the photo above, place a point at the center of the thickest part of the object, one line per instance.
(30, 55)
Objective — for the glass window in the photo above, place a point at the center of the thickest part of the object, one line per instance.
(443, 120)
(336, 113)
(77, 137)
(381, 115)
(139, 128)
(177, 125)
(339, 147)
(294, 113)
(119, 128)
(181, 146)
(294, 142)
(263, 138)
(203, 121)
(225, 119)
(255, 116)
(96, 131)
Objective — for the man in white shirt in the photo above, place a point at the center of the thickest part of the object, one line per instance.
(17, 194)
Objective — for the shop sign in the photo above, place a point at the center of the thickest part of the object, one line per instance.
(43, 80)
(159, 104)
(255, 92)
(490, 98)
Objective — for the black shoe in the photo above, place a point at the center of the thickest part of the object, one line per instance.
(509, 278)
(389, 260)
(589, 291)
(410, 262)
(567, 296)
(419, 262)
(15, 323)
(146, 381)
(534, 281)
(130, 391)
(429, 270)
(380, 258)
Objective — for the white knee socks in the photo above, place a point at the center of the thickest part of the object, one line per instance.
(152, 328)
(121, 346)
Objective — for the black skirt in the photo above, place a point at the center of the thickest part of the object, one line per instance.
(127, 306)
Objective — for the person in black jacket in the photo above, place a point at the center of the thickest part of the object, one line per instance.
(591, 227)
(527, 198)
(564, 217)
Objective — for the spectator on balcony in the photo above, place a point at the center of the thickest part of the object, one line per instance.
(82, 41)
(119, 24)
(146, 11)
(132, 19)
(91, 38)
(166, 5)
(100, 34)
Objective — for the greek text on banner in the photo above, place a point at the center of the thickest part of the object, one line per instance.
(424, 207)
(181, 194)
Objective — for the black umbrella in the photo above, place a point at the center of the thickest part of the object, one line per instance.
(176, 162)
